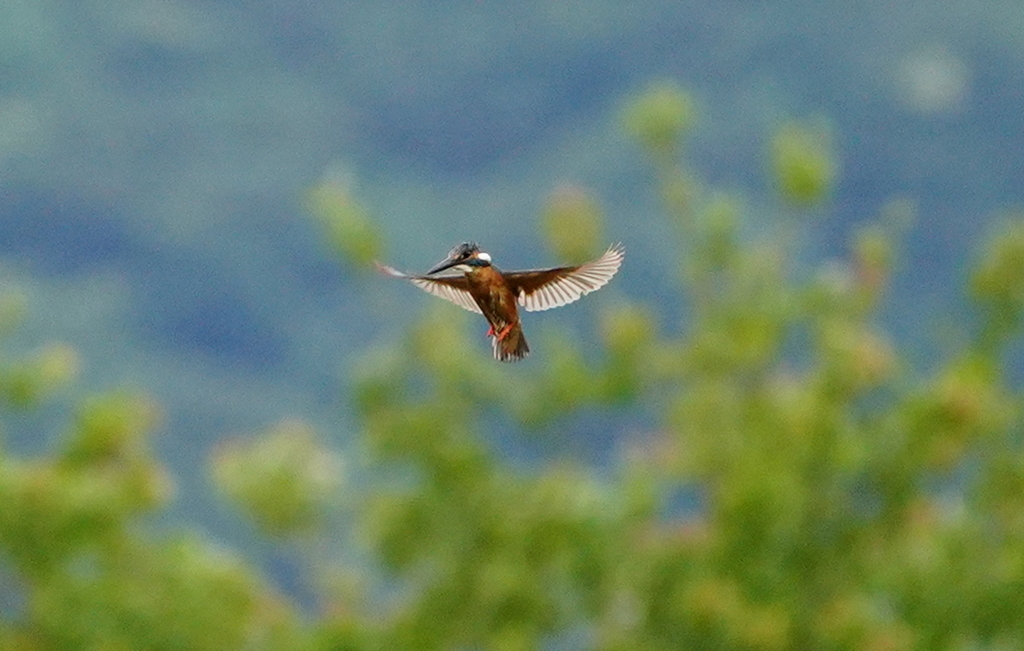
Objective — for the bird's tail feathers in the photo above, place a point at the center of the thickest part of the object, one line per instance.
(512, 346)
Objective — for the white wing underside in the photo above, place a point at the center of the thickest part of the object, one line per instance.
(579, 282)
(459, 297)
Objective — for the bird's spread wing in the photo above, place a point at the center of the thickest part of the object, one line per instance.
(543, 289)
(451, 288)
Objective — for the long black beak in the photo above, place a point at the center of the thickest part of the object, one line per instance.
(447, 263)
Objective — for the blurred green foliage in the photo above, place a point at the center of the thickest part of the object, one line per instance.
(658, 118)
(846, 501)
(347, 226)
(802, 164)
(283, 479)
(573, 224)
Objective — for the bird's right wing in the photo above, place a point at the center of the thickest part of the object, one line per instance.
(543, 289)
(450, 288)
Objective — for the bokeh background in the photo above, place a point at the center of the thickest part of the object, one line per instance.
(160, 162)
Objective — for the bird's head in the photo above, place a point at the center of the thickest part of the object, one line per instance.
(465, 257)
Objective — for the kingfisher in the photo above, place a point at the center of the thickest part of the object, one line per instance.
(481, 287)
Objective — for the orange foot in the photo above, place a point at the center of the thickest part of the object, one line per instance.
(504, 331)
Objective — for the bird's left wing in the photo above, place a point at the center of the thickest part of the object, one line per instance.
(543, 289)
(450, 288)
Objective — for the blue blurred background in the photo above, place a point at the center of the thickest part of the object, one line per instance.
(155, 154)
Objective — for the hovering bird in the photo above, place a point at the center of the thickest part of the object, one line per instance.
(481, 287)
